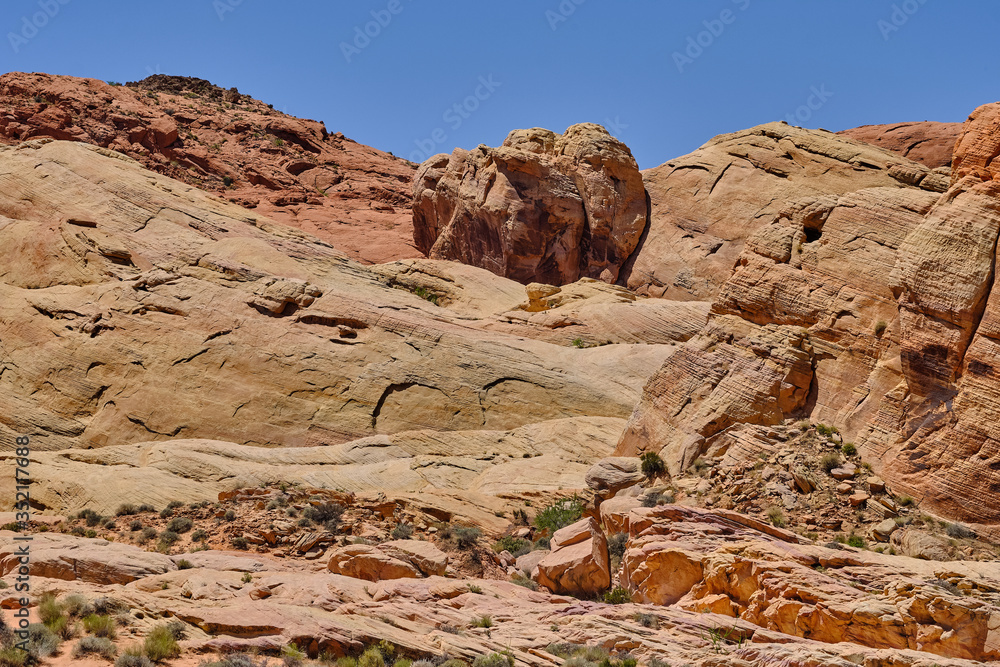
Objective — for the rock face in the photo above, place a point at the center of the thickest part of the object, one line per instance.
(610, 475)
(578, 562)
(929, 143)
(540, 208)
(361, 561)
(706, 205)
(290, 169)
(170, 313)
(978, 145)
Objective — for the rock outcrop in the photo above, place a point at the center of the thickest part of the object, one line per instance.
(289, 169)
(542, 207)
(929, 143)
(578, 563)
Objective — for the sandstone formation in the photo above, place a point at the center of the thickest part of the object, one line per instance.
(929, 143)
(706, 205)
(542, 207)
(289, 169)
(172, 314)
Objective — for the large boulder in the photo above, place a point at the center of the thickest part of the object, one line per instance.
(610, 475)
(421, 554)
(366, 562)
(542, 207)
(578, 563)
(921, 544)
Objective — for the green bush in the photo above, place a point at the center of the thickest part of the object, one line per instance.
(160, 644)
(13, 657)
(560, 514)
(180, 524)
(199, 535)
(240, 543)
(327, 514)
(657, 499)
(100, 626)
(505, 659)
(829, 462)
(95, 646)
(184, 564)
(133, 660)
(647, 620)
(515, 545)
(849, 449)
(857, 541)
(49, 609)
(880, 327)
(466, 537)
(141, 509)
(618, 595)
(135, 525)
(616, 545)
(652, 465)
(484, 621)
(91, 517)
(230, 515)
(42, 642)
(403, 531)
(371, 658)
(148, 533)
(959, 532)
(776, 516)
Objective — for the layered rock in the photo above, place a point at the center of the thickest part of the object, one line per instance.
(707, 204)
(578, 562)
(541, 207)
(290, 169)
(929, 143)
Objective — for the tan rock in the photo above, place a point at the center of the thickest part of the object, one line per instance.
(921, 544)
(928, 143)
(884, 530)
(528, 563)
(365, 562)
(611, 475)
(426, 557)
(858, 498)
(579, 565)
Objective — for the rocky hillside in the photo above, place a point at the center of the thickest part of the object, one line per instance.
(928, 143)
(290, 169)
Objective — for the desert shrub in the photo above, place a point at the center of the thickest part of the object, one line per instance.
(135, 525)
(230, 515)
(829, 462)
(524, 580)
(292, 656)
(89, 516)
(776, 516)
(371, 658)
(466, 537)
(100, 626)
(651, 465)
(560, 514)
(327, 514)
(184, 564)
(77, 606)
(647, 620)
(106, 606)
(959, 532)
(169, 537)
(403, 531)
(148, 533)
(133, 660)
(616, 545)
(484, 621)
(240, 543)
(880, 327)
(403, 662)
(95, 646)
(849, 449)
(618, 595)
(515, 545)
(246, 578)
(49, 610)
(42, 642)
(91, 533)
(199, 535)
(174, 504)
(904, 501)
(180, 524)
(856, 541)
(142, 509)
(542, 542)
(126, 509)
(504, 659)
(655, 499)
(826, 431)
(160, 644)
(166, 512)
(13, 657)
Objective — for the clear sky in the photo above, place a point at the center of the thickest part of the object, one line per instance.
(663, 75)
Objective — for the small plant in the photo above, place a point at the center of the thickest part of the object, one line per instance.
(647, 620)
(160, 644)
(133, 657)
(278, 142)
(230, 515)
(126, 509)
(656, 499)
(857, 542)
(427, 295)
(829, 462)
(904, 501)
(95, 646)
(652, 465)
(135, 525)
(166, 512)
(403, 531)
(240, 543)
(826, 431)
(560, 514)
(959, 532)
(849, 449)
(292, 656)
(247, 578)
(616, 546)
(505, 659)
(473, 588)
(199, 535)
(484, 621)
(515, 545)
(776, 516)
(169, 537)
(90, 517)
(141, 509)
(91, 533)
(327, 514)
(100, 626)
(466, 538)
(720, 637)
(618, 595)
(227, 181)
(147, 534)
(880, 327)
(180, 524)
(184, 564)
(521, 579)
(578, 343)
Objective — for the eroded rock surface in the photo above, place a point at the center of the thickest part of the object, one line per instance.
(929, 143)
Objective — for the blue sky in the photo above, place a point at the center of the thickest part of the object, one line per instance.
(664, 76)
